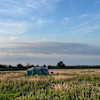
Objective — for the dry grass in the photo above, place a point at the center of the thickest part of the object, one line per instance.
(65, 81)
(62, 74)
(19, 76)
(75, 71)
(62, 77)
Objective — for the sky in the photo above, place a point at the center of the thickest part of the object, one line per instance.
(47, 31)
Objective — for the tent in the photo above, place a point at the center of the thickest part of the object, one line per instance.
(37, 71)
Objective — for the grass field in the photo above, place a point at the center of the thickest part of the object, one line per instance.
(66, 85)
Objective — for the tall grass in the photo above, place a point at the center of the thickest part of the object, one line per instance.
(62, 85)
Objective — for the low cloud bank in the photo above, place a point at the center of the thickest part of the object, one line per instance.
(49, 52)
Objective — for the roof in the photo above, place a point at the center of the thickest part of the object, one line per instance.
(44, 67)
(37, 68)
(30, 69)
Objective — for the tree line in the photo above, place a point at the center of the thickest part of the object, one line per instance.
(59, 65)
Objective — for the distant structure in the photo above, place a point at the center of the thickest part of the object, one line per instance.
(37, 71)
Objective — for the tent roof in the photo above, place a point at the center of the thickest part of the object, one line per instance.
(37, 68)
(44, 67)
(30, 69)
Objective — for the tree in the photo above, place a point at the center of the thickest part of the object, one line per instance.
(10, 66)
(32, 66)
(49, 66)
(28, 65)
(20, 66)
(37, 66)
(1, 66)
(44, 65)
(60, 64)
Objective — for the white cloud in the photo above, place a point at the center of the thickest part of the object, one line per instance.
(12, 28)
(86, 29)
(39, 23)
(13, 38)
(83, 15)
(67, 20)
(27, 7)
(90, 25)
(23, 15)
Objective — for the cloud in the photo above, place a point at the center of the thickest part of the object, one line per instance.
(19, 17)
(13, 38)
(47, 51)
(90, 25)
(10, 29)
(49, 48)
(87, 30)
(83, 15)
(27, 7)
(39, 22)
(67, 20)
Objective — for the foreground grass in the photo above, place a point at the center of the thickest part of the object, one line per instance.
(67, 85)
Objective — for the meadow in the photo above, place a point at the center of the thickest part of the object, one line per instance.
(63, 84)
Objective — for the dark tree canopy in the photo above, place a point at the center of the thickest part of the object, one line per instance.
(44, 65)
(60, 64)
(20, 66)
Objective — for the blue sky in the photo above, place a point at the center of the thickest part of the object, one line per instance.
(74, 22)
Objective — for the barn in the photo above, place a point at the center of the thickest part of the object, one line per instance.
(37, 71)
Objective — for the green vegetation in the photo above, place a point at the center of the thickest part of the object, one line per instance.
(61, 85)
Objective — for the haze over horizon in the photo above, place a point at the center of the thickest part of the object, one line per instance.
(47, 31)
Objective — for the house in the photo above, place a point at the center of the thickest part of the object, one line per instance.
(37, 71)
